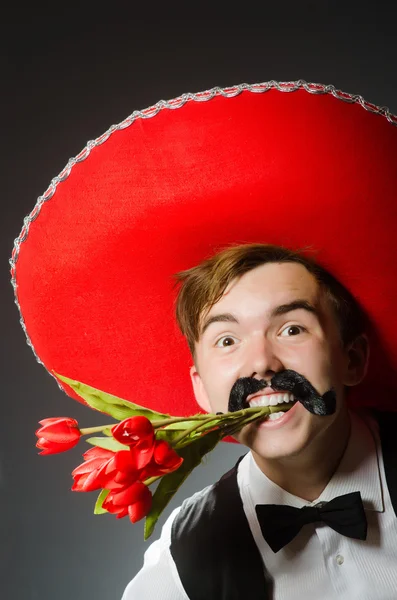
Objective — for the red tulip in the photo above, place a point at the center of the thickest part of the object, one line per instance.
(135, 501)
(57, 434)
(121, 471)
(107, 470)
(136, 432)
(165, 460)
(165, 457)
(89, 476)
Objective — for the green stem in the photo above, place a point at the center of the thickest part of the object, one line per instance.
(89, 430)
(233, 429)
(203, 420)
(172, 420)
(226, 430)
(266, 410)
(204, 425)
(205, 417)
(152, 480)
(194, 427)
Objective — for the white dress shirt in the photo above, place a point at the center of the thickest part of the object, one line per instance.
(319, 563)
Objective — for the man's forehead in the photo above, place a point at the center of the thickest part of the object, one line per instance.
(275, 279)
(277, 287)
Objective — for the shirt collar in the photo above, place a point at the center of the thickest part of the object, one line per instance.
(357, 471)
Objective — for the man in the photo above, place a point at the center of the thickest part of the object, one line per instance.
(302, 167)
(283, 312)
(277, 315)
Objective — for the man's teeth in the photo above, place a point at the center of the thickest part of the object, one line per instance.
(274, 416)
(271, 400)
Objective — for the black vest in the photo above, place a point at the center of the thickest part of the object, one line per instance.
(212, 544)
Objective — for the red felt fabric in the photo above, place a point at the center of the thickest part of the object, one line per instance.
(95, 274)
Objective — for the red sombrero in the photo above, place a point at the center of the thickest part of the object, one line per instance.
(293, 164)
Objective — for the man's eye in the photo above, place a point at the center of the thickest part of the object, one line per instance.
(225, 341)
(292, 330)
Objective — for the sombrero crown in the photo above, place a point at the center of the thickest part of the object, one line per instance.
(292, 164)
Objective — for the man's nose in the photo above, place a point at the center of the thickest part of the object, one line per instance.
(263, 359)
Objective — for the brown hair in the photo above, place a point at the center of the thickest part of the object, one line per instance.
(203, 285)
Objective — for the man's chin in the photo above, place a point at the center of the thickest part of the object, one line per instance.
(278, 443)
(276, 453)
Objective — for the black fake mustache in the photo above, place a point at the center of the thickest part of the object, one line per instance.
(289, 381)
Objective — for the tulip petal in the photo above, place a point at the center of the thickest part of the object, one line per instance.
(123, 461)
(91, 482)
(53, 447)
(131, 494)
(112, 484)
(61, 430)
(88, 466)
(50, 420)
(98, 453)
(142, 457)
(139, 510)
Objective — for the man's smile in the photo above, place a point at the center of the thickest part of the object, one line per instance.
(269, 397)
(278, 419)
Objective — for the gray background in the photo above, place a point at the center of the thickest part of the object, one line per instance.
(65, 84)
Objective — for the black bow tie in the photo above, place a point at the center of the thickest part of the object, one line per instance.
(280, 523)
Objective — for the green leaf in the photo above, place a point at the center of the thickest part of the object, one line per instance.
(107, 443)
(169, 484)
(111, 405)
(98, 510)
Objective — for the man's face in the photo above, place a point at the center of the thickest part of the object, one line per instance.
(273, 318)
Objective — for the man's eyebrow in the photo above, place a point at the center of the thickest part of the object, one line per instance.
(222, 318)
(294, 305)
(276, 312)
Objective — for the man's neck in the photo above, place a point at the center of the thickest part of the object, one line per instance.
(306, 475)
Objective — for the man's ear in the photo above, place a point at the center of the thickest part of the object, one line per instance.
(358, 358)
(199, 391)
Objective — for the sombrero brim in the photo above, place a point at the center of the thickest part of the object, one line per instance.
(290, 164)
